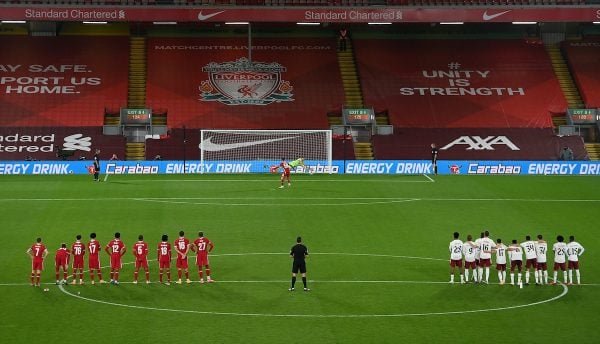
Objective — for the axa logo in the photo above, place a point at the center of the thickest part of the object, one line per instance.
(77, 142)
(482, 143)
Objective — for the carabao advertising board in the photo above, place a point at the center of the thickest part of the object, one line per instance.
(398, 167)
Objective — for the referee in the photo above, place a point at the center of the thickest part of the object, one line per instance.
(299, 252)
(434, 157)
(97, 166)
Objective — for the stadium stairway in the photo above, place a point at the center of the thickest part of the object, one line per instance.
(136, 93)
(363, 149)
(593, 150)
(565, 79)
(135, 151)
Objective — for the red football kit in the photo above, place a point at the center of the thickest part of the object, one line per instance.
(203, 246)
(115, 248)
(61, 259)
(140, 251)
(286, 168)
(78, 250)
(37, 263)
(181, 245)
(164, 255)
(93, 257)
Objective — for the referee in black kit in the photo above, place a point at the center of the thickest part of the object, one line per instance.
(97, 166)
(299, 252)
(434, 157)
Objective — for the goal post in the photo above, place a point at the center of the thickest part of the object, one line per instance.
(263, 148)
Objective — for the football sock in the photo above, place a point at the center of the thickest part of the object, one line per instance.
(160, 275)
(135, 275)
(527, 277)
(116, 275)
(452, 278)
(65, 275)
(81, 275)
(565, 276)
(169, 275)
(293, 281)
(462, 278)
(207, 272)
(512, 278)
(578, 276)
(570, 276)
(536, 275)
(555, 276)
(57, 274)
(32, 278)
(37, 279)
(467, 275)
(304, 281)
(500, 276)
(519, 278)
(479, 274)
(487, 274)
(179, 274)
(147, 275)
(200, 274)
(187, 274)
(546, 276)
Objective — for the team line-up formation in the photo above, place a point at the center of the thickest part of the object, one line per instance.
(478, 256)
(202, 246)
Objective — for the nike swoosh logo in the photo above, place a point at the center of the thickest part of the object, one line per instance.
(487, 17)
(202, 17)
(208, 145)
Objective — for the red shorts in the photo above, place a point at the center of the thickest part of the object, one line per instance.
(164, 264)
(141, 264)
(115, 261)
(286, 173)
(59, 263)
(485, 262)
(573, 265)
(182, 263)
(561, 266)
(477, 262)
(78, 263)
(37, 265)
(542, 266)
(530, 263)
(501, 267)
(202, 260)
(516, 263)
(94, 262)
(470, 265)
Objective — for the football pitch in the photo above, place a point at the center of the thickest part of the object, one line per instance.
(378, 265)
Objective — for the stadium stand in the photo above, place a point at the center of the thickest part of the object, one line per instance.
(584, 62)
(191, 78)
(61, 81)
(459, 83)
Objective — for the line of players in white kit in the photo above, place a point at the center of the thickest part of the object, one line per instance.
(478, 257)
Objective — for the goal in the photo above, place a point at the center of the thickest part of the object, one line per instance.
(263, 148)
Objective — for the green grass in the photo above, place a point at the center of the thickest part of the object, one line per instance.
(368, 237)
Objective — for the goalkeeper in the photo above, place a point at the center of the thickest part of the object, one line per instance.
(296, 163)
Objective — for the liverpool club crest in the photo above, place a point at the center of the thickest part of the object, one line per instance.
(242, 82)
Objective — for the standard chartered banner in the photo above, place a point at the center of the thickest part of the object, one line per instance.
(319, 167)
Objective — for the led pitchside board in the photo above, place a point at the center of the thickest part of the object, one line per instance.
(358, 116)
(584, 116)
(136, 116)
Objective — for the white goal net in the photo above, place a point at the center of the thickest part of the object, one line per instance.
(259, 149)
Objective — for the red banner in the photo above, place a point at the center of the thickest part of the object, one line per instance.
(61, 81)
(459, 83)
(214, 83)
(326, 14)
(584, 60)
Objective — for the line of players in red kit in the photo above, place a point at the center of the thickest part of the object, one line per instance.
(116, 249)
